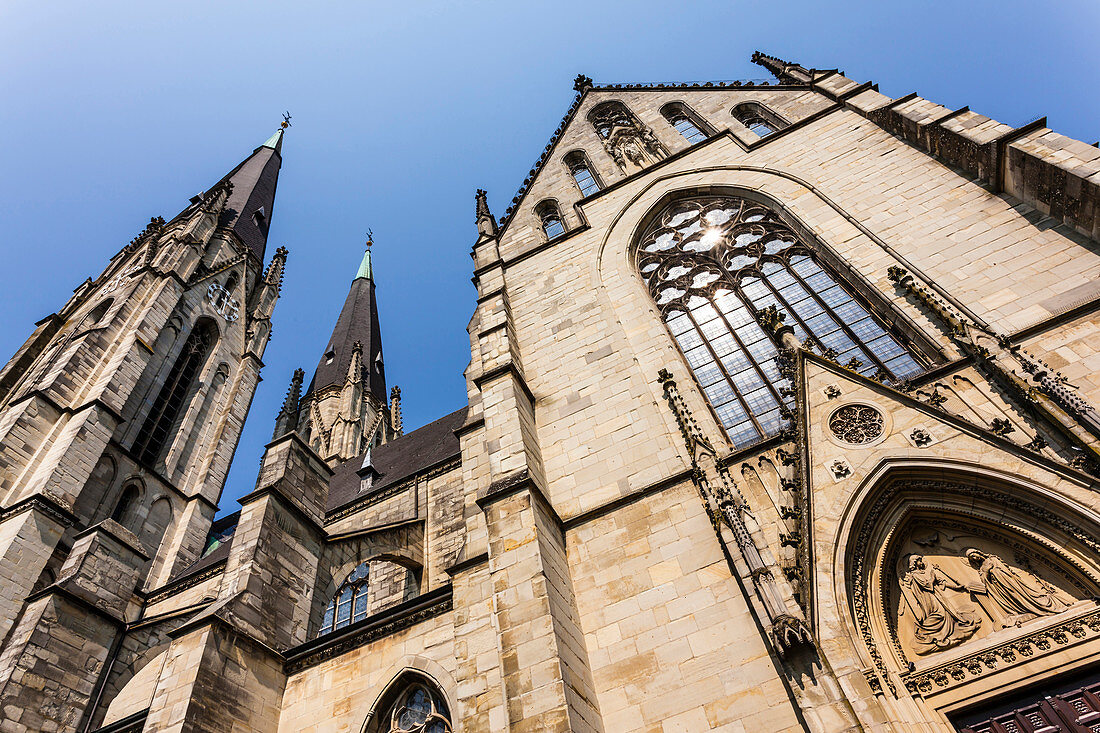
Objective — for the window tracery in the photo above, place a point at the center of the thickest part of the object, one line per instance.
(419, 710)
(630, 143)
(712, 263)
(173, 395)
(349, 604)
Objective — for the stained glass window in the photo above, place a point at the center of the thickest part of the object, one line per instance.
(712, 264)
(419, 710)
(349, 604)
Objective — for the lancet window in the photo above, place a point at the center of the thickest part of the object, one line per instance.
(177, 389)
(582, 172)
(685, 122)
(550, 216)
(758, 118)
(712, 264)
(349, 604)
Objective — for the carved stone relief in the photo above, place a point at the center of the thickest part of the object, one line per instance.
(856, 424)
(961, 583)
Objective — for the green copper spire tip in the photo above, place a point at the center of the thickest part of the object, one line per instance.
(364, 267)
(273, 141)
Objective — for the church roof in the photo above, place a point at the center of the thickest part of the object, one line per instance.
(398, 459)
(394, 462)
(358, 322)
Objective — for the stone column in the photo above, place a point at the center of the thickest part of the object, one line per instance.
(56, 652)
(225, 668)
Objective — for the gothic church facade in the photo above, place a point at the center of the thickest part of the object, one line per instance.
(780, 417)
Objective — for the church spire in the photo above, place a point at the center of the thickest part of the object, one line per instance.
(357, 323)
(248, 210)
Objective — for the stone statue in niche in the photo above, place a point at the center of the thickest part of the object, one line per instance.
(1019, 594)
(941, 613)
(954, 586)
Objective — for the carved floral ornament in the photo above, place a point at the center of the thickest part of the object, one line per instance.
(941, 573)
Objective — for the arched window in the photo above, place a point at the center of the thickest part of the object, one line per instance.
(127, 505)
(350, 602)
(167, 406)
(712, 263)
(582, 172)
(417, 708)
(609, 115)
(758, 118)
(552, 224)
(686, 122)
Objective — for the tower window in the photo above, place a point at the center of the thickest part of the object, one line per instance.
(552, 224)
(712, 264)
(758, 118)
(127, 504)
(349, 604)
(582, 173)
(686, 122)
(175, 393)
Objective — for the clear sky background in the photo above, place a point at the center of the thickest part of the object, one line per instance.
(112, 112)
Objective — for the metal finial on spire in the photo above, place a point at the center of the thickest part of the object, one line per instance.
(286, 120)
(370, 237)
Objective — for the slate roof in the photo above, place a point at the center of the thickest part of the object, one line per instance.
(398, 459)
(358, 321)
(254, 182)
(394, 461)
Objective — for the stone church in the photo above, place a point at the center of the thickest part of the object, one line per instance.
(780, 417)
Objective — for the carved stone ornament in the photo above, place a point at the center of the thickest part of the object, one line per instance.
(920, 437)
(840, 469)
(947, 580)
(831, 391)
(857, 424)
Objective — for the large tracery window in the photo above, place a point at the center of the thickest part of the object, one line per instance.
(419, 710)
(177, 389)
(349, 604)
(712, 263)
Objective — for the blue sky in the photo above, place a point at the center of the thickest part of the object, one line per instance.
(113, 112)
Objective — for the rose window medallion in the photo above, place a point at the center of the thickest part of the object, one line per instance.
(856, 424)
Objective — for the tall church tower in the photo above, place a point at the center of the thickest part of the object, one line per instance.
(119, 418)
(344, 410)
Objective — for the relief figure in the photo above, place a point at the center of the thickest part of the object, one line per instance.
(1021, 595)
(942, 616)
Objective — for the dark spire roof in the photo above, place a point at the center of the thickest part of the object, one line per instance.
(248, 211)
(358, 321)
